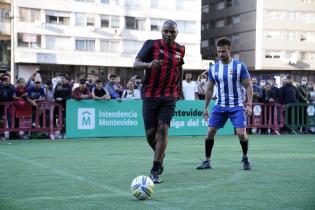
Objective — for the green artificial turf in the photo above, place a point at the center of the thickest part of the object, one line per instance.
(97, 173)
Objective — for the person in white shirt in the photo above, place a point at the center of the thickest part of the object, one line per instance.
(189, 88)
(131, 92)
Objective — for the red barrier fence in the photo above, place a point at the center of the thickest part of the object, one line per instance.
(18, 117)
(266, 115)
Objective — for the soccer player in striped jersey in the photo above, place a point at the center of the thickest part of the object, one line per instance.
(162, 60)
(231, 77)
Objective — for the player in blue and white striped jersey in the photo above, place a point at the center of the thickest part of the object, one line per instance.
(231, 78)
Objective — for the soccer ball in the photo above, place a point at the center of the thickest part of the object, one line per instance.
(142, 187)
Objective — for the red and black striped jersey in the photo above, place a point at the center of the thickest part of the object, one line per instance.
(163, 81)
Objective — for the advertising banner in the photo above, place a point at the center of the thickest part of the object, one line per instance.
(95, 118)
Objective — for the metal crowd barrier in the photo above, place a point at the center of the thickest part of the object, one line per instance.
(299, 115)
(266, 115)
(45, 117)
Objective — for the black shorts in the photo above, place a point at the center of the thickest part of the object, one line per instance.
(157, 109)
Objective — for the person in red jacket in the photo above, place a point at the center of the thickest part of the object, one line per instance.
(81, 92)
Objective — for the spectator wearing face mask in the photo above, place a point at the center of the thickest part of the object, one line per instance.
(288, 92)
(202, 86)
(274, 88)
(303, 91)
(131, 92)
(257, 91)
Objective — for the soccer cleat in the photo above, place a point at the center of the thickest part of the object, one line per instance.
(204, 165)
(246, 163)
(154, 176)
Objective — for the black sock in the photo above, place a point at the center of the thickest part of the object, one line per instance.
(156, 165)
(208, 147)
(244, 145)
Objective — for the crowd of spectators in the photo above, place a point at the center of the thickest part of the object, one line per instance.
(26, 94)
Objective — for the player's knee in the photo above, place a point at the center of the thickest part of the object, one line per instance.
(242, 136)
(150, 133)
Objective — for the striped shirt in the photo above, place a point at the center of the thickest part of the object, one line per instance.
(228, 78)
(163, 81)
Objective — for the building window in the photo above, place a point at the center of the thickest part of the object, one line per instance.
(273, 54)
(115, 21)
(205, 9)
(54, 17)
(235, 39)
(29, 15)
(4, 15)
(236, 19)
(85, 45)
(57, 42)
(204, 43)
(204, 26)
(80, 19)
(90, 21)
(219, 23)
(29, 40)
(105, 1)
(84, 19)
(134, 23)
(109, 46)
(220, 5)
(228, 3)
(105, 21)
(132, 46)
(186, 26)
(155, 24)
(109, 21)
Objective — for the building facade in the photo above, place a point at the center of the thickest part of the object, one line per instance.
(79, 37)
(271, 37)
(5, 35)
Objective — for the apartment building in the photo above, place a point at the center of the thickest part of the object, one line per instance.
(271, 37)
(78, 37)
(5, 34)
